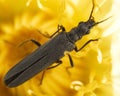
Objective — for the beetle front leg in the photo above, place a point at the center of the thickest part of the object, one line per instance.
(91, 40)
(59, 28)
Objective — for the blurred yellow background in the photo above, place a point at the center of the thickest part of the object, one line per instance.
(96, 67)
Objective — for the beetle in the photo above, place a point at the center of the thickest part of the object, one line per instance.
(50, 52)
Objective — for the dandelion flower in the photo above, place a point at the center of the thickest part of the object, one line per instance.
(91, 74)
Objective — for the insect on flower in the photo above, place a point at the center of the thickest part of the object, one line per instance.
(50, 52)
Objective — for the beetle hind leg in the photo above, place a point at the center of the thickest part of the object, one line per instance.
(71, 63)
(58, 63)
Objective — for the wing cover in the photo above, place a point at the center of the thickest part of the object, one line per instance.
(37, 61)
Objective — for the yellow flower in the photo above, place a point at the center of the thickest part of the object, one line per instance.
(92, 71)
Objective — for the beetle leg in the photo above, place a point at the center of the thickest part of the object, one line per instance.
(35, 42)
(30, 40)
(42, 77)
(59, 28)
(71, 63)
(70, 59)
(91, 40)
(59, 62)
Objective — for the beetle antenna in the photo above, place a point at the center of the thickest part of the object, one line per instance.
(93, 3)
(101, 21)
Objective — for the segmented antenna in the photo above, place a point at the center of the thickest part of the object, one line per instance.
(93, 3)
(91, 17)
